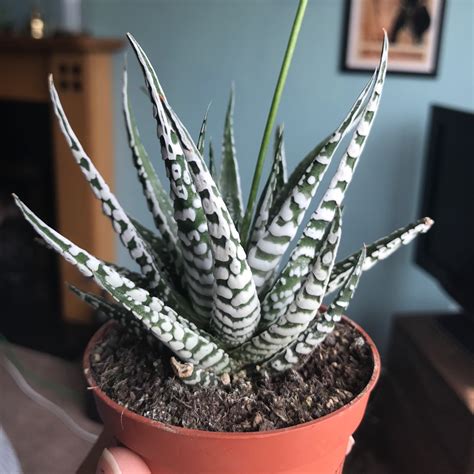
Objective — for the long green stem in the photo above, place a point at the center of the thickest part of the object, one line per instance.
(271, 118)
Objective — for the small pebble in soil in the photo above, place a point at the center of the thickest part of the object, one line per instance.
(137, 374)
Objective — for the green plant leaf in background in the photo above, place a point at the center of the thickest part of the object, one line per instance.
(229, 180)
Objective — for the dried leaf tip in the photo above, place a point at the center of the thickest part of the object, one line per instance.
(181, 369)
(428, 222)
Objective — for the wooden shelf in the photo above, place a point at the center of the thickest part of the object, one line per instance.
(60, 44)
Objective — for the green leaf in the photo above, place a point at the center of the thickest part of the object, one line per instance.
(177, 333)
(282, 293)
(334, 196)
(304, 307)
(112, 311)
(235, 308)
(212, 163)
(298, 351)
(157, 198)
(201, 143)
(137, 278)
(229, 181)
(266, 254)
(129, 236)
(379, 250)
(172, 265)
(188, 212)
(276, 181)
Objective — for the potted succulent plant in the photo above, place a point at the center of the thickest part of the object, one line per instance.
(218, 359)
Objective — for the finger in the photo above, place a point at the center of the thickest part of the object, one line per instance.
(350, 444)
(121, 461)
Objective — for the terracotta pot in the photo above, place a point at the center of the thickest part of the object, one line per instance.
(316, 447)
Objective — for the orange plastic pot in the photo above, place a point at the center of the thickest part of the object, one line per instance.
(316, 447)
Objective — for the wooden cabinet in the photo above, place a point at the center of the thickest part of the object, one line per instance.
(82, 71)
(427, 398)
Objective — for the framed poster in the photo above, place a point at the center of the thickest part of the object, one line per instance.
(413, 27)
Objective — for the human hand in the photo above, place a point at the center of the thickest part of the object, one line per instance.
(106, 457)
(119, 460)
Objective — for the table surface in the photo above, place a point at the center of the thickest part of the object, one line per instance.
(43, 442)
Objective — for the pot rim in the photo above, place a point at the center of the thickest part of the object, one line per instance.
(125, 412)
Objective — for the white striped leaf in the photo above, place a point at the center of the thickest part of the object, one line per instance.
(379, 250)
(282, 293)
(304, 307)
(236, 308)
(339, 184)
(113, 311)
(177, 333)
(170, 264)
(298, 351)
(157, 198)
(129, 236)
(279, 297)
(188, 212)
(266, 254)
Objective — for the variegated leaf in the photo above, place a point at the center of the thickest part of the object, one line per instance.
(279, 297)
(189, 215)
(137, 278)
(113, 311)
(304, 307)
(172, 265)
(379, 250)
(137, 248)
(275, 182)
(158, 200)
(201, 143)
(180, 335)
(266, 254)
(229, 180)
(282, 293)
(339, 184)
(212, 163)
(298, 351)
(236, 308)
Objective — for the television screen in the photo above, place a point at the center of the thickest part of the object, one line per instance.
(447, 251)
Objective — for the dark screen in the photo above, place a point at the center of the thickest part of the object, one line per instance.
(447, 251)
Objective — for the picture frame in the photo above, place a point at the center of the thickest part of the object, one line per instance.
(414, 28)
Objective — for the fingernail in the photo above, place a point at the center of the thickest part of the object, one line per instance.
(107, 464)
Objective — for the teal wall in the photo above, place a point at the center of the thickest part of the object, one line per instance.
(200, 46)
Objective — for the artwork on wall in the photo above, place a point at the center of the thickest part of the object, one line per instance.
(413, 27)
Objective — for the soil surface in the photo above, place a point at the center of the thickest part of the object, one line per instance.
(138, 375)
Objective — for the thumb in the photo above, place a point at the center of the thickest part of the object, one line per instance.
(121, 461)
